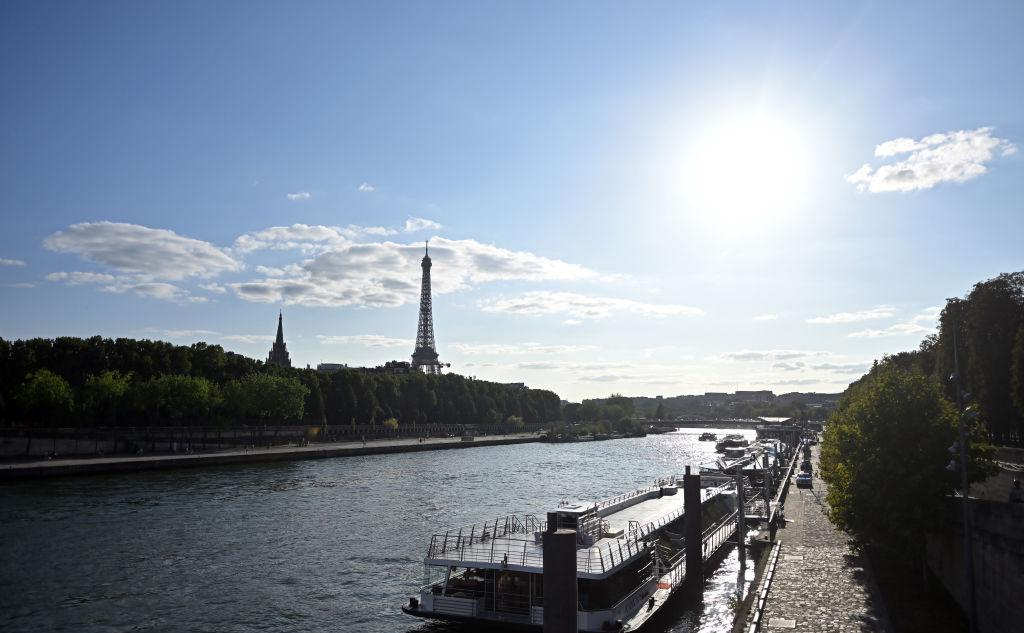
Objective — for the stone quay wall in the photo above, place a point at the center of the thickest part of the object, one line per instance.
(998, 550)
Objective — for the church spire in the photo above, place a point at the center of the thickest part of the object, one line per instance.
(279, 352)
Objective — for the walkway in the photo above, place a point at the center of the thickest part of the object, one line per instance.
(122, 463)
(820, 584)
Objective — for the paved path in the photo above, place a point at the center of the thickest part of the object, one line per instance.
(820, 584)
(121, 463)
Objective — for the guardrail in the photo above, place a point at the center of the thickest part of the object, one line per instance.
(762, 595)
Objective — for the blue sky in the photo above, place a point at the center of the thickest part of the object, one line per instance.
(653, 199)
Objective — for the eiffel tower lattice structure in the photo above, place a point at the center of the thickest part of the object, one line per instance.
(424, 358)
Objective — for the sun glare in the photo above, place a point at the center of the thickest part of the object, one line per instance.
(745, 169)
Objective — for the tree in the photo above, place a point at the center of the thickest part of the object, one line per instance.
(884, 455)
(45, 398)
(185, 398)
(1018, 372)
(995, 311)
(267, 397)
(104, 395)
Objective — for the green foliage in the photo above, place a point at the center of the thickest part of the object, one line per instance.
(45, 398)
(104, 395)
(515, 421)
(123, 381)
(390, 424)
(1017, 370)
(267, 398)
(884, 454)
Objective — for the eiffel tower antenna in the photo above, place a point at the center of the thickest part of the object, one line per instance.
(424, 357)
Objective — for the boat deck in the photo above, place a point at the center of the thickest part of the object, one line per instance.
(511, 543)
(645, 512)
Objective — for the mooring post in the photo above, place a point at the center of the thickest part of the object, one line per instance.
(693, 528)
(741, 525)
(560, 600)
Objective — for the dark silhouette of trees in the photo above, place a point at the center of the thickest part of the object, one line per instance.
(45, 398)
(985, 324)
(129, 382)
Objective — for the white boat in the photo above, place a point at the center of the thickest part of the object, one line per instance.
(630, 558)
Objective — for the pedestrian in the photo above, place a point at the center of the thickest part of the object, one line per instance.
(1016, 494)
(364, 440)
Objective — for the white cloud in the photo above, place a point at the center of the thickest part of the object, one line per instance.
(843, 368)
(522, 348)
(79, 278)
(766, 317)
(420, 224)
(19, 285)
(580, 306)
(572, 322)
(928, 315)
(249, 339)
(922, 324)
(305, 238)
(367, 188)
(212, 287)
(11, 262)
(158, 253)
(770, 354)
(190, 334)
(573, 366)
(797, 366)
(366, 340)
(120, 284)
(387, 274)
(946, 157)
(878, 312)
(300, 195)
(155, 290)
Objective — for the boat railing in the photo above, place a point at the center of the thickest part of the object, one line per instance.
(467, 536)
(605, 503)
(497, 542)
(713, 536)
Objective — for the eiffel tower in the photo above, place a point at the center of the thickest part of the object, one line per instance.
(425, 356)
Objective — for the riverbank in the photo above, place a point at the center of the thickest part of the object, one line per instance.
(38, 469)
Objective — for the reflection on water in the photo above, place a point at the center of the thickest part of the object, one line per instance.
(330, 545)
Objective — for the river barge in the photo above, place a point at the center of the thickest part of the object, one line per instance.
(630, 559)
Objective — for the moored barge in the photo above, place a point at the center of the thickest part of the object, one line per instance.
(630, 558)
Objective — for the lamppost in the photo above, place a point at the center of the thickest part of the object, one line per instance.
(972, 612)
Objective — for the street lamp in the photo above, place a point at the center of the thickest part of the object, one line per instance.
(972, 613)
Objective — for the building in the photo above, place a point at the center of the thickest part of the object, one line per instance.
(279, 352)
(329, 367)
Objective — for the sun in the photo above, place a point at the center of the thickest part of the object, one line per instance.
(744, 171)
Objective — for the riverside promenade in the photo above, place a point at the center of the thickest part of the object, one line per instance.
(820, 583)
(126, 463)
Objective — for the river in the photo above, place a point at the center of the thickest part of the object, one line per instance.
(322, 545)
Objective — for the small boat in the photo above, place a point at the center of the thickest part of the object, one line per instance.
(707, 437)
(731, 441)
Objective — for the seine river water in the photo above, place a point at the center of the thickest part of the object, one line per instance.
(323, 545)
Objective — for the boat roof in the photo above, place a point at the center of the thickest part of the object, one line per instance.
(516, 544)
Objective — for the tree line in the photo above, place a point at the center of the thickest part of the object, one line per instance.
(71, 381)
(983, 333)
(890, 452)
